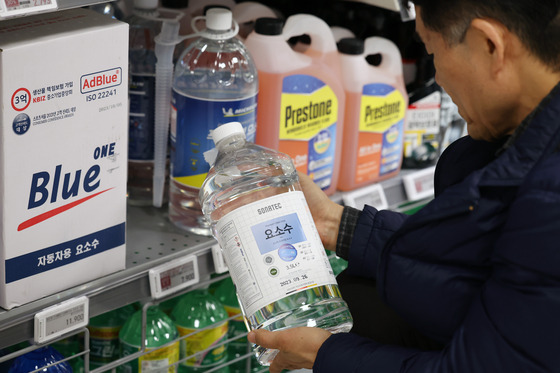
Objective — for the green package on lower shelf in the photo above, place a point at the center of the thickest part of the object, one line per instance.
(198, 309)
(160, 330)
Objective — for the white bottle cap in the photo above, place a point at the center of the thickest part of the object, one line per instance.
(218, 19)
(146, 4)
(227, 130)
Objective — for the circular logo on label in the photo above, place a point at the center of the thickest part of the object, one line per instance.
(268, 259)
(392, 135)
(273, 271)
(287, 252)
(322, 141)
(21, 99)
(21, 124)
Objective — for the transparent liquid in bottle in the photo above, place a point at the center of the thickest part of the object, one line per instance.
(277, 289)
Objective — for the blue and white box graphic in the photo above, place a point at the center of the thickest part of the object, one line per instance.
(63, 152)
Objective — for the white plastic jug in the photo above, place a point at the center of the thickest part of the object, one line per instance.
(246, 13)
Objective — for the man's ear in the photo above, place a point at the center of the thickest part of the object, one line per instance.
(492, 38)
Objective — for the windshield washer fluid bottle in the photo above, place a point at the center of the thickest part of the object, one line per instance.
(275, 256)
(376, 105)
(301, 97)
(215, 82)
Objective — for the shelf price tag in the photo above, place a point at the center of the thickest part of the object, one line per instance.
(13, 8)
(61, 318)
(220, 265)
(420, 184)
(171, 277)
(372, 195)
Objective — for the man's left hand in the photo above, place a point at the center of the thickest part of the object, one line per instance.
(297, 346)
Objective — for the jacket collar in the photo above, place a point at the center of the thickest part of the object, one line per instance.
(537, 135)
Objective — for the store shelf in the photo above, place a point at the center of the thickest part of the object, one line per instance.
(23, 8)
(151, 241)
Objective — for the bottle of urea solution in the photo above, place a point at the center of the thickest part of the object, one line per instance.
(301, 97)
(142, 76)
(38, 359)
(215, 82)
(239, 346)
(160, 330)
(196, 310)
(259, 215)
(376, 104)
(104, 335)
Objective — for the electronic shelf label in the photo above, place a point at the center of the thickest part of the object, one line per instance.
(173, 276)
(372, 195)
(220, 265)
(61, 319)
(17, 8)
(419, 184)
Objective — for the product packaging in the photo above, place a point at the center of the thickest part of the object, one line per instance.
(63, 152)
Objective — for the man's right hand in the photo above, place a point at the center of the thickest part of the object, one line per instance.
(326, 213)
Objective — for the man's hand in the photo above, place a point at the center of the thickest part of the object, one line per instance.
(326, 213)
(298, 346)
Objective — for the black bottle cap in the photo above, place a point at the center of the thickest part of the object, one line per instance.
(175, 4)
(350, 46)
(269, 26)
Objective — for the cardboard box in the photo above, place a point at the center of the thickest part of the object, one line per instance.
(63, 152)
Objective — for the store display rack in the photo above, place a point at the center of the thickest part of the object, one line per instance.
(151, 241)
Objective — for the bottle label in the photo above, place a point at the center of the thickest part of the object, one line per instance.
(308, 120)
(380, 138)
(104, 343)
(192, 120)
(141, 117)
(423, 123)
(201, 341)
(273, 250)
(157, 361)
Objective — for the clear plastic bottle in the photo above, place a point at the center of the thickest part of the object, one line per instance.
(225, 293)
(260, 217)
(142, 76)
(215, 80)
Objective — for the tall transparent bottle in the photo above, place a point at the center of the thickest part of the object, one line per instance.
(142, 77)
(260, 217)
(215, 80)
(240, 346)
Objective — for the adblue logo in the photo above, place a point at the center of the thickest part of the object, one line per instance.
(101, 80)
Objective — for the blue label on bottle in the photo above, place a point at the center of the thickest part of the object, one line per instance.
(277, 233)
(392, 149)
(141, 118)
(190, 132)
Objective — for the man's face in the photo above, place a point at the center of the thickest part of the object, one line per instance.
(464, 71)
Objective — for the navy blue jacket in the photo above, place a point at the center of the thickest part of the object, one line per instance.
(478, 268)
